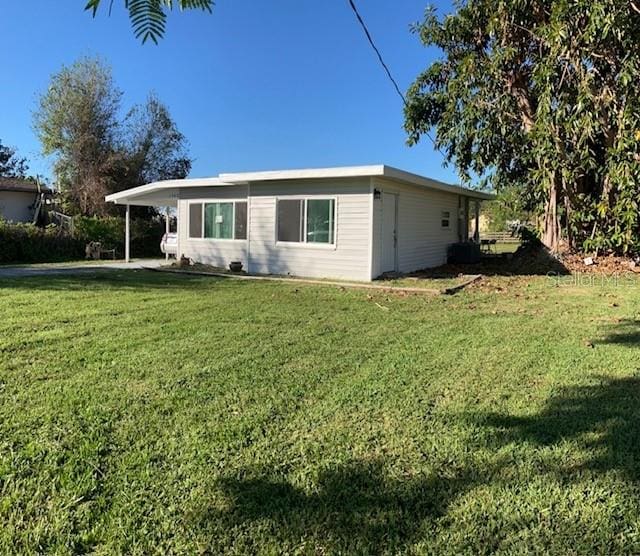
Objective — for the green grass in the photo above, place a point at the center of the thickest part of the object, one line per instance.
(504, 247)
(145, 413)
(429, 283)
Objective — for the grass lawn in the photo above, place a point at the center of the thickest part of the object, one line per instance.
(504, 247)
(149, 413)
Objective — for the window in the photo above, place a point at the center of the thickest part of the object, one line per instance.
(306, 220)
(224, 220)
(218, 220)
(320, 215)
(446, 217)
(240, 220)
(290, 219)
(195, 220)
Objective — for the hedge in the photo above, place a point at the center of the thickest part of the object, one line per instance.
(109, 231)
(26, 243)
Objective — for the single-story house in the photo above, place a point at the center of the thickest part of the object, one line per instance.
(20, 199)
(351, 223)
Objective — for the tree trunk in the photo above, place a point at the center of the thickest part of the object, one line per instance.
(551, 230)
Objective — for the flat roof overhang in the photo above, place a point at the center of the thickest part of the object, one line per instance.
(166, 193)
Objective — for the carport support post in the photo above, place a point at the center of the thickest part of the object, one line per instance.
(127, 234)
(166, 231)
(476, 233)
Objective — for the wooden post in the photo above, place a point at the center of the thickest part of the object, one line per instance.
(127, 235)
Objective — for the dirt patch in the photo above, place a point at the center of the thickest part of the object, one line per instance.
(532, 260)
(526, 261)
(607, 265)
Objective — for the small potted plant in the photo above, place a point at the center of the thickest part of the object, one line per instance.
(235, 266)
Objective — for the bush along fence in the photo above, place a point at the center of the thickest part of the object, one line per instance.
(26, 243)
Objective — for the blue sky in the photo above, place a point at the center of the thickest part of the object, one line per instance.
(256, 85)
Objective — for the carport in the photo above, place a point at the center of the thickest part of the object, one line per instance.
(158, 194)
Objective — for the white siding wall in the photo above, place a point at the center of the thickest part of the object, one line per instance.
(348, 259)
(14, 206)
(209, 251)
(422, 242)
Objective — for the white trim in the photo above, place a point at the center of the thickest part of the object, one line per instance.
(248, 240)
(377, 170)
(447, 218)
(305, 173)
(129, 194)
(396, 242)
(304, 243)
(209, 239)
(127, 235)
(371, 234)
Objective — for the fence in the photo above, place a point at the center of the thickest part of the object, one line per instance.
(500, 237)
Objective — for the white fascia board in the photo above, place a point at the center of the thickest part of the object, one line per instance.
(415, 179)
(305, 174)
(375, 170)
(122, 197)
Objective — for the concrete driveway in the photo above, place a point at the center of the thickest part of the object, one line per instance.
(82, 267)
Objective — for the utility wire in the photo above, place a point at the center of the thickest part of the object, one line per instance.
(375, 49)
(384, 65)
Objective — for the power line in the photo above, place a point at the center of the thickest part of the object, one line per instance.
(375, 49)
(384, 65)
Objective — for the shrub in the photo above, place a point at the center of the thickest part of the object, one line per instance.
(109, 231)
(26, 243)
(529, 238)
(466, 252)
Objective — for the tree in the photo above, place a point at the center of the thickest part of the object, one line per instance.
(149, 17)
(540, 95)
(154, 149)
(77, 121)
(11, 165)
(507, 207)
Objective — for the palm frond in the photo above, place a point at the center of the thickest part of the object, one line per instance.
(148, 17)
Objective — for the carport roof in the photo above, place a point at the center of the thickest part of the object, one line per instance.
(165, 193)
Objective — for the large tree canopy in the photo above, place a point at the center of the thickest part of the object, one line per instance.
(77, 122)
(96, 151)
(152, 148)
(149, 17)
(541, 96)
(12, 165)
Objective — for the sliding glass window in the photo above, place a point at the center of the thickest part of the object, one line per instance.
(223, 220)
(306, 221)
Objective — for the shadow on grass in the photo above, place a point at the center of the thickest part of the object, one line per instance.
(359, 508)
(352, 509)
(626, 332)
(603, 419)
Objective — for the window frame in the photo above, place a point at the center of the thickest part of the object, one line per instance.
(304, 243)
(446, 219)
(204, 202)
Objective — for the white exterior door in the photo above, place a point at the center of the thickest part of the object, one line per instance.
(389, 232)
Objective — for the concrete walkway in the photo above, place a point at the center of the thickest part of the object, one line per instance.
(81, 267)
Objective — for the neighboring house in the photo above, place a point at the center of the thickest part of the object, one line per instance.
(20, 199)
(351, 223)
